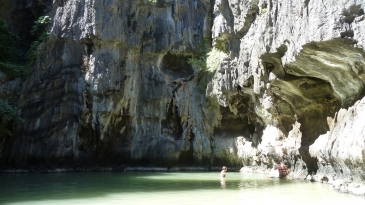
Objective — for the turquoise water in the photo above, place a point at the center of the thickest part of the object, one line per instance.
(164, 188)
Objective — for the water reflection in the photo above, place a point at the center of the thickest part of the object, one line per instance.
(223, 183)
(162, 188)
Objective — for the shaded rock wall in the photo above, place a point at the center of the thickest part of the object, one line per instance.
(110, 87)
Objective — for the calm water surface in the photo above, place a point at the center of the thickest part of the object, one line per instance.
(164, 188)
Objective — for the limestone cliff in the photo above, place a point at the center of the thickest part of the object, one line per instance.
(112, 85)
(340, 152)
(300, 61)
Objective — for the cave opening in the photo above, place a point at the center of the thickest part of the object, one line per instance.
(309, 101)
(176, 66)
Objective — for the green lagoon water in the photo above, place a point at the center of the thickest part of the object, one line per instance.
(164, 188)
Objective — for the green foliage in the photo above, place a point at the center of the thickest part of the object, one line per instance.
(209, 61)
(263, 10)
(11, 56)
(203, 85)
(211, 58)
(4, 132)
(9, 52)
(206, 44)
(12, 69)
(38, 24)
(209, 17)
(9, 116)
(6, 40)
(41, 36)
(199, 63)
(32, 52)
(9, 113)
(12, 63)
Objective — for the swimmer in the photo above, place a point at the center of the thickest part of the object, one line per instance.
(283, 170)
(223, 172)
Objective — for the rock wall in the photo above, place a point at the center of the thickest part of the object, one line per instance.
(112, 85)
(340, 152)
(300, 61)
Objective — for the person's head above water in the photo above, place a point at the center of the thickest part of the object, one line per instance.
(224, 168)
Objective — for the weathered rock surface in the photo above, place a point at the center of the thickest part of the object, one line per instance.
(292, 58)
(340, 152)
(112, 85)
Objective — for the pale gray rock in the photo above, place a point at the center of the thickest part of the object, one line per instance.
(293, 58)
(340, 152)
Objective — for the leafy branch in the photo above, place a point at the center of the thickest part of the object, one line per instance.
(36, 31)
(39, 23)
(10, 52)
(9, 117)
(11, 56)
(210, 59)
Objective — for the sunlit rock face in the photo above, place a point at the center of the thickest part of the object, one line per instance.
(113, 87)
(300, 61)
(340, 152)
